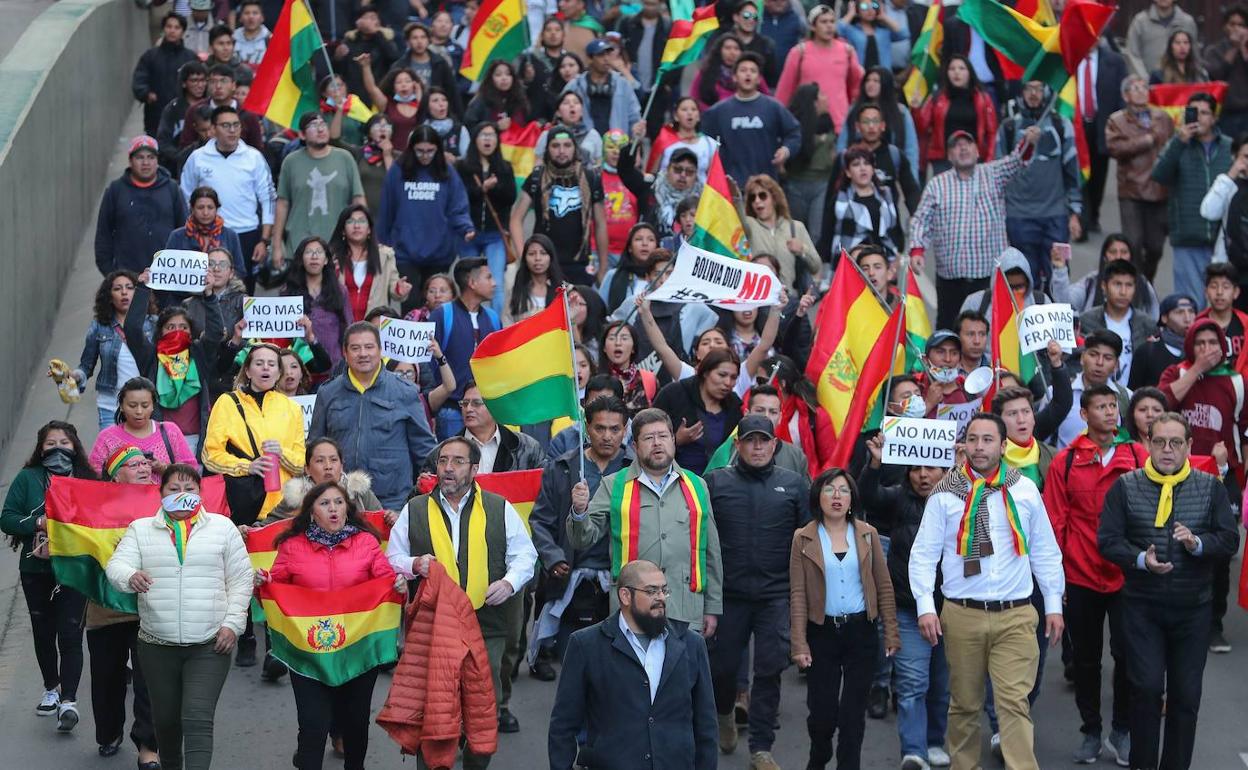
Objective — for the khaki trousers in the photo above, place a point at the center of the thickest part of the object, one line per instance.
(1000, 646)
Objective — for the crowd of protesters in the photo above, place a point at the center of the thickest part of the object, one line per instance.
(1105, 490)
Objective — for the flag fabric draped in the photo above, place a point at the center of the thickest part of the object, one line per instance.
(925, 55)
(721, 456)
(850, 360)
(525, 371)
(262, 542)
(716, 225)
(666, 138)
(1047, 53)
(1006, 350)
(520, 488)
(86, 520)
(285, 84)
(918, 325)
(499, 30)
(333, 636)
(1172, 97)
(1037, 10)
(518, 144)
(691, 28)
(1068, 107)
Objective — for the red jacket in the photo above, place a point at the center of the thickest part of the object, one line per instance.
(311, 565)
(442, 686)
(1074, 499)
(929, 121)
(1240, 357)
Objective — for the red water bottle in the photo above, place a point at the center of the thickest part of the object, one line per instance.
(273, 476)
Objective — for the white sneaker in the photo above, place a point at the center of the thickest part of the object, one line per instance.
(937, 756)
(914, 762)
(47, 706)
(66, 716)
(995, 746)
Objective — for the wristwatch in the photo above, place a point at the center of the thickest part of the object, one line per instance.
(440, 361)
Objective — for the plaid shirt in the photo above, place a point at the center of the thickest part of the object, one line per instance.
(960, 223)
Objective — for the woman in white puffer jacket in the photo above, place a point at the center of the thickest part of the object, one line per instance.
(194, 580)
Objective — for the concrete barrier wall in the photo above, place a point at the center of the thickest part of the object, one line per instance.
(64, 94)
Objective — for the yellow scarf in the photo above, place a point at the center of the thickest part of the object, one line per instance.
(1024, 459)
(1165, 505)
(478, 550)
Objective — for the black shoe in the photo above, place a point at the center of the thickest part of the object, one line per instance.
(273, 669)
(542, 671)
(507, 723)
(111, 749)
(877, 702)
(245, 657)
(149, 766)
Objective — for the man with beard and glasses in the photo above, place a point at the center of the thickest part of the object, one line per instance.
(656, 509)
(491, 562)
(668, 721)
(567, 203)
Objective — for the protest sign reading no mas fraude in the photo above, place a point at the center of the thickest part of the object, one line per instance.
(273, 316)
(178, 270)
(913, 441)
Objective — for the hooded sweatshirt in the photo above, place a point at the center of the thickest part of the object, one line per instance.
(1214, 407)
(1011, 259)
(421, 218)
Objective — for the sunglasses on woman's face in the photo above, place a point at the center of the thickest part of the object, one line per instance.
(759, 196)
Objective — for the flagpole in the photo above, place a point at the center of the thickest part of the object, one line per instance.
(902, 286)
(580, 417)
(650, 287)
(324, 48)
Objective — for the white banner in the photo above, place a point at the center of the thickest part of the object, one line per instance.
(307, 404)
(959, 413)
(909, 441)
(273, 316)
(179, 270)
(698, 276)
(1040, 323)
(406, 341)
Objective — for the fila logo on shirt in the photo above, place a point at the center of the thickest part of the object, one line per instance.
(749, 121)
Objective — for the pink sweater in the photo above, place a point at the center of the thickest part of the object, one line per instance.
(116, 436)
(835, 68)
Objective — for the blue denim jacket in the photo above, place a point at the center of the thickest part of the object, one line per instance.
(103, 344)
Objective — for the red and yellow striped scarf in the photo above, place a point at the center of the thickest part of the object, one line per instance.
(180, 533)
(976, 505)
(626, 523)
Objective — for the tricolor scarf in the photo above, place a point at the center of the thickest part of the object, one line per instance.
(177, 377)
(180, 529)
(477, 576)
(974, 492)
(1025, 459)
(207, 236)
(297, 345)
(626, 523)
(373, 154)
(1165, 503)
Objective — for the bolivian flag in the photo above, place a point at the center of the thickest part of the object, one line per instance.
(1048, 53)
(520, 488)
(500, 30)
(691, 28)
(850, 360)
(262, 543)
(918, 326)
(1172, 97)
(1006, 350)
(285, 84)
(925, 55)
(518, 144)
(525, 371)
(333, 636)
(86, 520)
(716, 225)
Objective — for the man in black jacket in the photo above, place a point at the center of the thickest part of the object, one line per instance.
(1166, 526)
(641, 685)
(138, 212)
(155, 80)
(757, 507)
(1178, 311)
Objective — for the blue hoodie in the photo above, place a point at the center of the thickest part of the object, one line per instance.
(424, 218)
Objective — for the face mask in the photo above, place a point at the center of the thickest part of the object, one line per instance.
(179, 502)
(409, 99)
(943, 374)
(59, 461)
(915, 407)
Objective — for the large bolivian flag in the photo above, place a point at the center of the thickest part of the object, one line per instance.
(86, 520)
(716, 225)
(333, 636)
(285, 84)
(262, 542)
(520, 488)
(1172, 97)
(524, 372)
(691, 28)
(1048, 53)
(925, 55)
(499, 30)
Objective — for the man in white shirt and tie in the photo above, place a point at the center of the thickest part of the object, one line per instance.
(985, 525)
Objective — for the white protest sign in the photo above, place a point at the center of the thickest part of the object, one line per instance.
(406, 341)
(959, 413)
(307, 404)
(178, 270)
(909, 441)
(698, 276)
(1040, 323)
(273, 316)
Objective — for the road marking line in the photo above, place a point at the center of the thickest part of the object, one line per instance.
(1243, 757)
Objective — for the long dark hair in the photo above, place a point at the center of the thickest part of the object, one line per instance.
(331, 298)
(604, 363)
(82, 469)
(712, 66)
(803, 106)
(508, 103)
(340, 251)
(556, 82)
(972, 84)
(524, 279)
(890, 107)
(104, 311)
(299, 525)
(133, 384)
(423, 134)
(470, 163)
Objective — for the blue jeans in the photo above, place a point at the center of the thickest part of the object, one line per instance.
(1035, 237)
(922, 688)
(490, 245)
(1189, 271)
(108, 417)
(449, 422)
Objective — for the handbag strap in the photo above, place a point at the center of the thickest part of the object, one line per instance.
(239, 405)
(164, 436)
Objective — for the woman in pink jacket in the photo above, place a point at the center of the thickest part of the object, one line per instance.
(329, 547)
(824, 59)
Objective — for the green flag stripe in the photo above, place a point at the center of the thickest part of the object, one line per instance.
(340, 667)
(543, 400)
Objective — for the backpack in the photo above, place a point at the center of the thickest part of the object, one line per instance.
(448, 322)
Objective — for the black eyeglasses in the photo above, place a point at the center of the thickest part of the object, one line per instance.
(654, 592)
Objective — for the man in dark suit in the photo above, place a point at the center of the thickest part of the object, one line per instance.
(641, 684)
(1099, 80)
